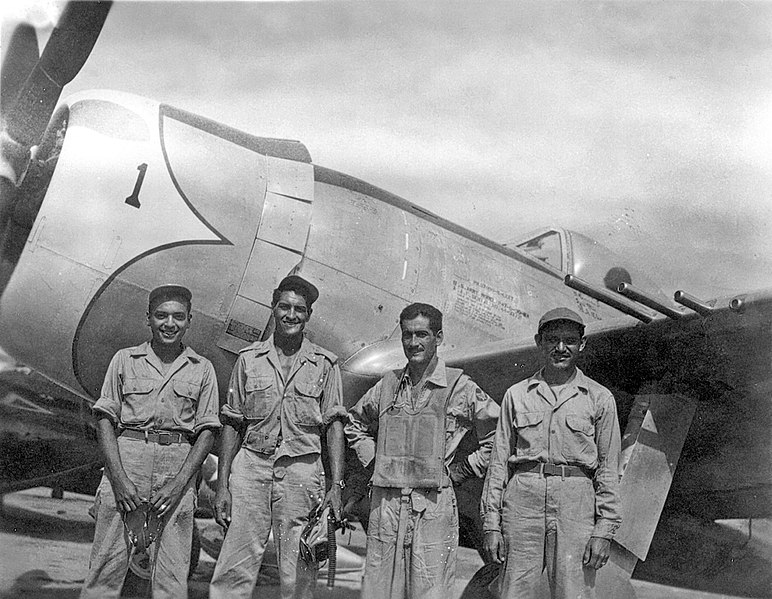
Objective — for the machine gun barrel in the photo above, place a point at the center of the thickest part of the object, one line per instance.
(692, 302)
(607, 297)
(649, 301)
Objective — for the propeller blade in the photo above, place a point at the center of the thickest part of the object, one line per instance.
(21, 56)
(26, 116)
(65, 53)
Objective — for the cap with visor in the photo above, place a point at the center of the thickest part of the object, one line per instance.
(560, 314)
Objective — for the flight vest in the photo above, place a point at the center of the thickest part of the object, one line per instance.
(411, 445)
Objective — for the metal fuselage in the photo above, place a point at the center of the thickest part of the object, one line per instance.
(144, 194)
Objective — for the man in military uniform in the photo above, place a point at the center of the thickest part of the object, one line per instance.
(420, 414)
(553, 485)
(156, 417)
(284, 393)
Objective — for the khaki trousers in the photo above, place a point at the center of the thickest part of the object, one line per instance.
(149, 466)
(412, 541)
(546, 523)
(268, 494)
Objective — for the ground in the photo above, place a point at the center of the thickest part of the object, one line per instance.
(45, 544)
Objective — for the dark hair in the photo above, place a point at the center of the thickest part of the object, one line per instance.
(427, 310)
(298, 288)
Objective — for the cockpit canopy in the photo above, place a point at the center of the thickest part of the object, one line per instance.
(585, 258)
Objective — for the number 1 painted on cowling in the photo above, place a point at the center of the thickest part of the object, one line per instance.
(133, 199)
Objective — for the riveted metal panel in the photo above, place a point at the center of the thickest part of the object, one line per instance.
(371, 314)
(290, 178)
(285, 221)
(350, 228)
(278, 248)
(245, 325)
(267, 266)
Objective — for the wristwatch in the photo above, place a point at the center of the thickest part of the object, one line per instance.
(341, 483)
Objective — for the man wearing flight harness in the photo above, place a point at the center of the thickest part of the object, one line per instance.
(156, 418)
(420, 412)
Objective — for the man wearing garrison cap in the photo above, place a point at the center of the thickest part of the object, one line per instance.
(551, 496)
(284, 393)
(156, 418)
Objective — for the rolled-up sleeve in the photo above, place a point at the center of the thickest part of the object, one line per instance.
(231, 412)
(208, 402)
(485, 417)
(362, 424)
(109, 402)
(606, 480)
(498, 470)
(332, 399)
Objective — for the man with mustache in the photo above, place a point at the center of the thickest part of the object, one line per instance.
(419, 414)
(284, 393)
(156, 419)
(551, 495)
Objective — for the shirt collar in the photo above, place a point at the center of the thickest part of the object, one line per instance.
(579, 380)
(435, 373)
(141, 350)
(260, 347)
(306, 351)
(146, 349)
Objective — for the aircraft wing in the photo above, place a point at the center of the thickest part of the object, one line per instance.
(497, 366)
(721, 358)
(47, 436)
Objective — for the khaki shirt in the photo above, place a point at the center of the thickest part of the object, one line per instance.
(137, 394)
(284, 416)
(579, 427)
(469, 407)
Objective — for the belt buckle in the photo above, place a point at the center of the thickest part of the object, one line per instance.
(165, 438)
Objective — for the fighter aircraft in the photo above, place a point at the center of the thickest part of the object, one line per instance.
(105, 194)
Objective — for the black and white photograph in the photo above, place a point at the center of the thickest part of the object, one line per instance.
(386, 299)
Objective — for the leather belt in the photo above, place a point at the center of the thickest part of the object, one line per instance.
(545, 469)
(160, 437)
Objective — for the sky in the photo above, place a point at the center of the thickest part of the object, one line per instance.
(645, 125)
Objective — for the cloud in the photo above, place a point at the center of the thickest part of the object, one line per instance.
(501, 116)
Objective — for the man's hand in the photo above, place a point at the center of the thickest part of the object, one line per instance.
(460, 472)
(127, 497)
(168, 496)
(596, 553)
(493, 547)
(222, 506)
(333, 500)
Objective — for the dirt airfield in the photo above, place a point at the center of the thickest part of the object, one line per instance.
(45, 545)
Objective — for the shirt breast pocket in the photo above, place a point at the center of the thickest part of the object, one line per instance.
(259, 395)
(528, 426)
(306, 408)
(137, 407)
(186, 400)
(580, 444)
